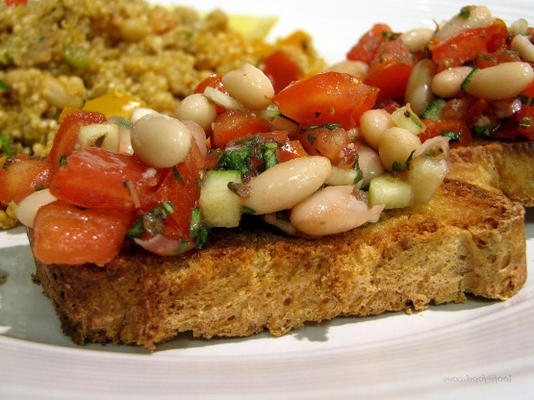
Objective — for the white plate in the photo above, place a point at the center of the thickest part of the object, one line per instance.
(464, 350)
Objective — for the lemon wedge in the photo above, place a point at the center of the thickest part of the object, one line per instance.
(250, 26)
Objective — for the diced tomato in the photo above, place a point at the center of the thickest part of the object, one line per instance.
(21, 176)
(435, 128)
(289, 150)
(330, 97)
(525, 120)
(67, 134)
(366, 47)
(98, 178)
(281, 69)
(181, 187)
(463, 46)
(498, 57)
(390, 69)
(65, 234)
(334, 144)
(213, 81)
(233, 124)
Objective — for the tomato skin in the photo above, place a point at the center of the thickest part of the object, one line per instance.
(96, 177)
(13, 3)
(67, 134)
(180, 186)
(213, 81)
(498, 57)
(434, 128)
(232, 124)
(462, 47)
(21, 176)
(329, 97)
(281, 69)
(65, 234)
(390, 69)
(333, 144)
(367, 45)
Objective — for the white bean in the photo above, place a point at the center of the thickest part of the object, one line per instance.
(502, 81)
(519, 27)
(160, 141)
(369, 163)
(524, 47)
(416, 39)
(140, 112)
(250, 86)
(396, 145)
(196, 107)
(418, 92)
(355, 68)
(28, 207)
(448, 82)
(333, 209)
(470, 17)
(283, 186)
(373, 123)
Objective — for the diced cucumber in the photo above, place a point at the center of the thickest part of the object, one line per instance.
(404, 117)
(390, 191)
(220, 206)
(425, 177)
(434, 111)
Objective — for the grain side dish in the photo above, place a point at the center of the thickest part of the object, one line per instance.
(60, 53)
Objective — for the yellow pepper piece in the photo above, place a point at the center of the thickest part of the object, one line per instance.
(250, 26)
(114, 103)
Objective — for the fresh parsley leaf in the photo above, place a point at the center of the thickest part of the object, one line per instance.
(356, 167)
(63, 160)
(267, 152)
(177, 175)
(330, 127)
(247, 210)
(397, 166)
(467, 80)
(237, 159)
(161, 212)
(465, 12)
(197, 230)
(454, 137)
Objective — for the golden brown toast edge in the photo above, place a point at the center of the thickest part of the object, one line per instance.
(466, 240)
(508, 167)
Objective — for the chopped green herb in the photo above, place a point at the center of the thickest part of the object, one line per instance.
(454, 137)
(125, 123)
(330, 127)
(465, 12)
(63, 160)
(136, 230)
(397, 167)
(273, 111)
(365, 187)
(39, 186)
(177, 175)
(526, 100)
(415, 120)
(5, 144)
(7, 163)
(467, 80)
(237, 159)
(356, 167)
(485, 57)
(525, 122)
(183, 246)
(3, 86)
(267, 152)
(197, 230)
(512, 52)
(160, 213)
(247, 210)
(481, 130)
(434, 111)
(430, 153)
(389, 35)
(317, 114)
(188, 35)
(311, 137)
(409, 160)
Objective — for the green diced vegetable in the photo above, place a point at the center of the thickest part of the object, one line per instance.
(76, 56)
(267, 152)
(390, 191)
(434, 111)
(220, 206)
(236, 159)
(454, 137)
(405, 118)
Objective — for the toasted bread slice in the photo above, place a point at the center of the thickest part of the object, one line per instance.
(466, 240)
(508, 167)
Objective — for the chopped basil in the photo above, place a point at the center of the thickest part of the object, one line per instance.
(148, 222)
(454, 137)
(397, 167)
(273, 111)
(409, 160)
(177, 175)
(63, 160)
(467, 80)
(525, 122)
(365, 187)
(3, 86)
(267, 152)
(512, 52)
(7, 163)
(5, 144)
(247, 210)
(330, 127)
(39, 186)
(389, 35)
(485, 57)
(526, 100)
(237, 159)
(356, 167)
(311, 137)
(465, 12)
(197, 230)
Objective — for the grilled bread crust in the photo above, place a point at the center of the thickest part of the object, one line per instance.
(465, 240)
(508, 167)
